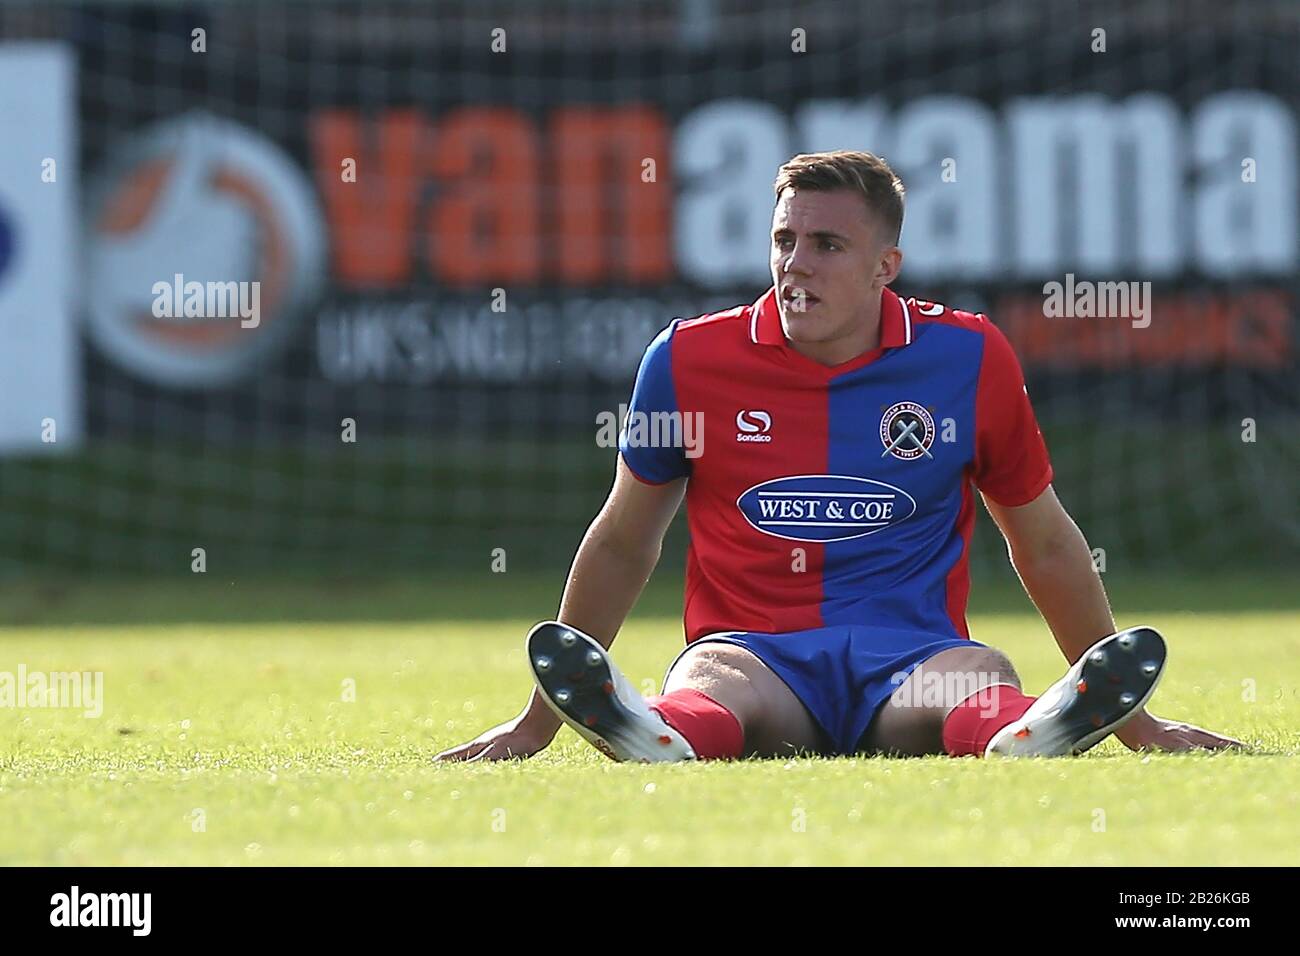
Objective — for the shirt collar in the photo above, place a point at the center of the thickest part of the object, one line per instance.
(895, 321)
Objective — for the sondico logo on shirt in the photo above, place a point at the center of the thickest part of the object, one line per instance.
(824, 507)
(754, 425)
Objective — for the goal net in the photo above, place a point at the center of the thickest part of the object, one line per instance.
(348, 284)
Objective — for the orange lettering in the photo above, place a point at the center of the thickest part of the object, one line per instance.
(599, 153)
(484, 225)
(370, 220)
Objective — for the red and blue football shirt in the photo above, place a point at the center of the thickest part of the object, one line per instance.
(822, 496)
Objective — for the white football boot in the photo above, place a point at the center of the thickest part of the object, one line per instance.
(581, 684)
(1111, 681)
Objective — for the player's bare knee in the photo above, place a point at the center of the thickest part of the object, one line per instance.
(978, 666)
(996, 667)
(719, 670)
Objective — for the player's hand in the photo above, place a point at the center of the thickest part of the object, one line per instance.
(517, 738)
(1145, 731)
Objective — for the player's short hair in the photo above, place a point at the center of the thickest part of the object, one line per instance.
(864, 173)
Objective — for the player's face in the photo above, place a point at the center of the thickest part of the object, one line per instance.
(830, 259)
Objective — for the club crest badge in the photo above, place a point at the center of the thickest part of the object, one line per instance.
(906, 431)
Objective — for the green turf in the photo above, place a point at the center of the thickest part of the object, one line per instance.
(238, 713)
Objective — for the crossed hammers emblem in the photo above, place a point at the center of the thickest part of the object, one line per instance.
(908, 434)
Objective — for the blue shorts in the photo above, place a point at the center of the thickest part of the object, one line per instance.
(843, 674)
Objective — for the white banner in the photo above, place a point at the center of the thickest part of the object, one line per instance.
(40, 367)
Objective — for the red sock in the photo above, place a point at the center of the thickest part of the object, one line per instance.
(970, 725)
(712, 731)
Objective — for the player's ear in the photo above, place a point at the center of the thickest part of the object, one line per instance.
(887, 267)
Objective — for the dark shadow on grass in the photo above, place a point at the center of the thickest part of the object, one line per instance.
(525, 596)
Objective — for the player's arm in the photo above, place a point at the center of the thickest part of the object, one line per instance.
(1049, 552)
(1055, 565)
(613, 563)
(1047, 549)
(618, 554)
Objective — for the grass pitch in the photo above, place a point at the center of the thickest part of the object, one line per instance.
(228, 736)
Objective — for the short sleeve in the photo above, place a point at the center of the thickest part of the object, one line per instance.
(1011, 462)
(654, 462)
